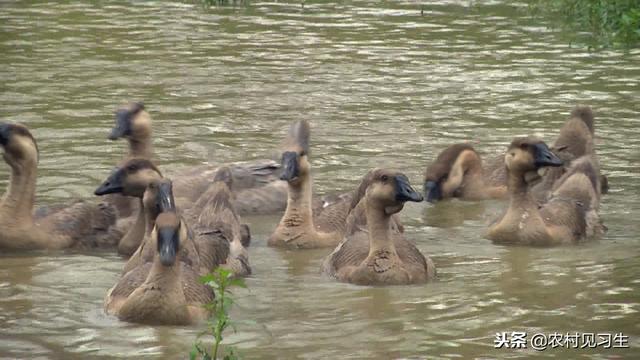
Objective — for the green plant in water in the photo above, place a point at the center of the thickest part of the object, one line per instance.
(608, 23)
(220, 280)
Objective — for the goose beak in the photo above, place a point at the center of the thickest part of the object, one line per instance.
(245, 235)
(122, 127)
(404, 191)
(5, 133)
(432, 191)
(543, 156)
(168, 243)
(290, 171)
(113, 184)
(166, 201)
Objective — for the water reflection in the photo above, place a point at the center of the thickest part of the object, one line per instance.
(452, 213)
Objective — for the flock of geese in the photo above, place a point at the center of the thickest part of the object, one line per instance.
(174, 232)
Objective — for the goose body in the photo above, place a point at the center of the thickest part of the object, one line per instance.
(575, 140)
(220, 238)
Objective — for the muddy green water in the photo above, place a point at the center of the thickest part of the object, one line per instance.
(382, 86)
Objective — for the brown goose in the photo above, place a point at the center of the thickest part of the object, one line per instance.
(219, 236)
(171, 293)
(380, 256)
(458, 172)
(306, 223)
(257, 188)
(217, 232)
(132, 179)
(81, 224)
(570, 214)
(575, 140)
(165, 290)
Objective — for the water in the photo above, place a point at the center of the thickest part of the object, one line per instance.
(382, 86)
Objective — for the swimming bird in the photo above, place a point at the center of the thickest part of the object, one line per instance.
(160, 282)
(79, 225)
(166, 290)
(380, 256)
(570, 214)
(307, 222)
(458, 172)
(575, 140)
(132, 179)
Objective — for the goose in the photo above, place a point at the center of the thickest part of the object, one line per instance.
(221, 238)
(132, 179)
(570, 214)
(215, 225)
(380, 256)
(458, 172)
(306, 223)
(166, 290)
(575, 140)
(160, 283)
(79, 225)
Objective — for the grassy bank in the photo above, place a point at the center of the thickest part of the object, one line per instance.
(598, 23)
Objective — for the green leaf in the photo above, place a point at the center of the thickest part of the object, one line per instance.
(205, 279)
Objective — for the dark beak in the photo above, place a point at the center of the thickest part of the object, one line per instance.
(404, 191)
(290, 166)
(543, 156)
(123, 125)
(113, 184)
(165, 199)
(433, 191)
(168, 243)
(5, 133)
(245, 232)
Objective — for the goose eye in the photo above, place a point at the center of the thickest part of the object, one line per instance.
(524, 146)
(384, 178)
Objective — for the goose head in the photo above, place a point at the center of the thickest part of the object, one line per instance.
(19, 146)
(436, 178)
(529, 154)
(159, 196)
(130, 179)
(168, 231)
(295, 163)
(389, 190)
(132, 122)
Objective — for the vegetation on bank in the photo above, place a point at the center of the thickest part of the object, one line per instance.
(598, 23)
(221, 280)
